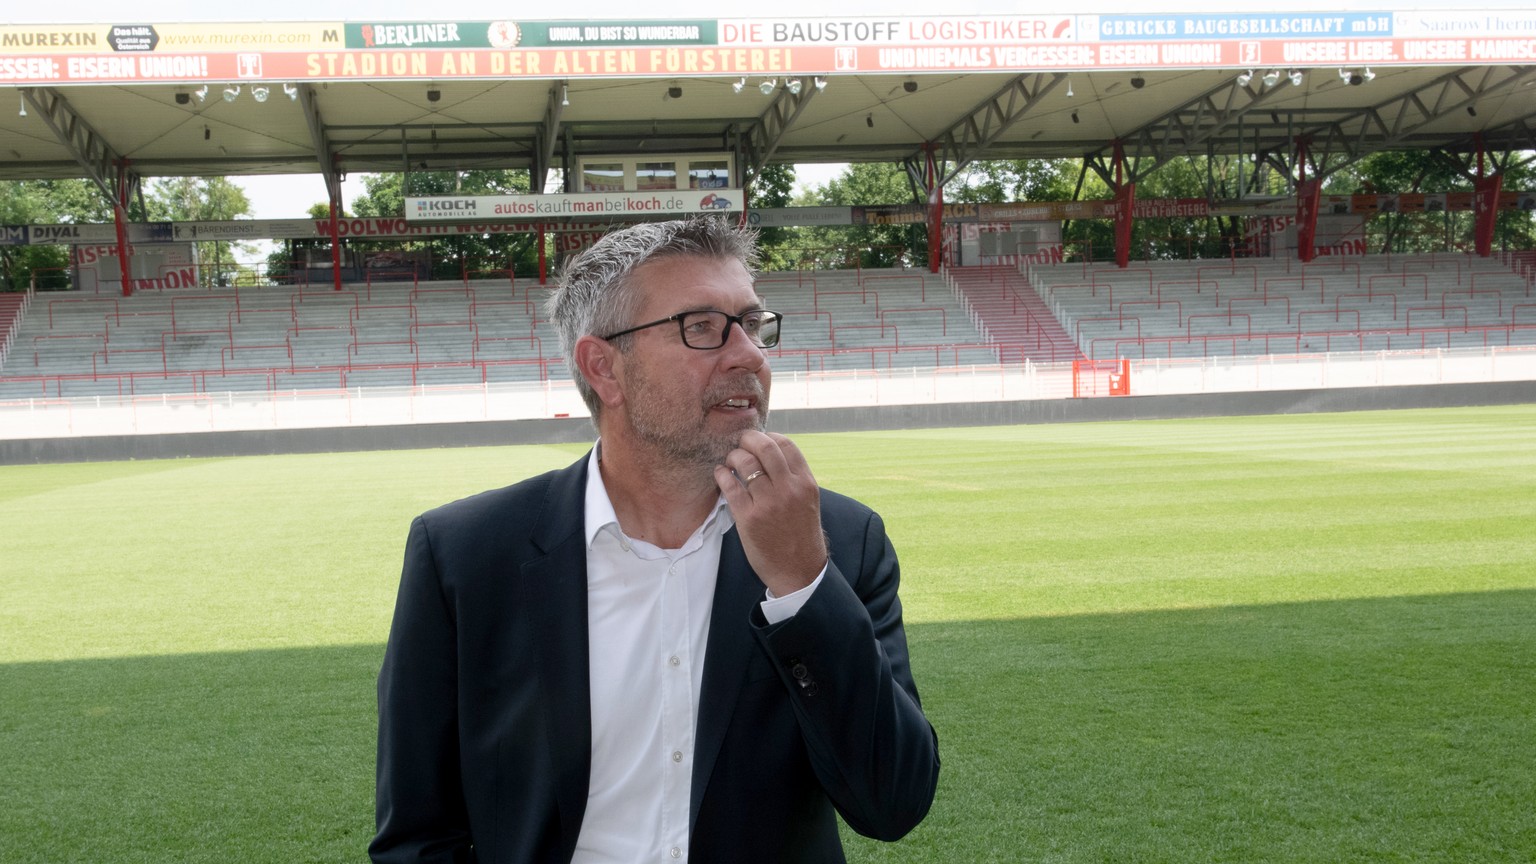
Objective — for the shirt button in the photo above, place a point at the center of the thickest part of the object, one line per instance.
(676, 852)
(677, 755)
(674, 660)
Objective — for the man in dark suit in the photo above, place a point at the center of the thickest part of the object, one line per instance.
(678, 648)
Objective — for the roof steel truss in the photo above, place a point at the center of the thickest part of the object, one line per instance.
(102, 164)
(764, 138)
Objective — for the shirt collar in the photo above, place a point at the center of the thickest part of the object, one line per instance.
(598, 509)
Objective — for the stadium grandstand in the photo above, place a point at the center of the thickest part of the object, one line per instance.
(610, 124)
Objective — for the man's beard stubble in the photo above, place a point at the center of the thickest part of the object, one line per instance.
(690, 441)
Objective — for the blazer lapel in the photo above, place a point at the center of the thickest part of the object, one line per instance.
(737, 591)
(555, 587)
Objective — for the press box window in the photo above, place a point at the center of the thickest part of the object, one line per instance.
(709, 175)
(655, 175)
(602, 177)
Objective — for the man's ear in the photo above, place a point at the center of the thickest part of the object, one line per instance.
(596, 359)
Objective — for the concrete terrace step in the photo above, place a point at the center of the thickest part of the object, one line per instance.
(397, 334)
(1171, 309)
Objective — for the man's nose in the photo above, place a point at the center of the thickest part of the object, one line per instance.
(740, 348)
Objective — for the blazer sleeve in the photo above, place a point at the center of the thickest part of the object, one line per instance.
(420, 809)
(843, 657)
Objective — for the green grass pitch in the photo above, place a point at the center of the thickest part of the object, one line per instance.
(1288, 639)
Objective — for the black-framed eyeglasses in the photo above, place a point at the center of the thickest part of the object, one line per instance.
(708, 329)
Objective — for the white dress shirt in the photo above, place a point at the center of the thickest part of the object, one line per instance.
(648, 612)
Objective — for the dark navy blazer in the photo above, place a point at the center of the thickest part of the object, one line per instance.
(484, 713)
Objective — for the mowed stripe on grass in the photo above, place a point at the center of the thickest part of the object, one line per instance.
(1299, 638)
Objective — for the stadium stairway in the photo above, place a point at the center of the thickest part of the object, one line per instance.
(1012, 314)
(13, 306)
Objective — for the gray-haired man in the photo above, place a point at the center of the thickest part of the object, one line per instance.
(678, 648)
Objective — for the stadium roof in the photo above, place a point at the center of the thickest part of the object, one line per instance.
(396, 95)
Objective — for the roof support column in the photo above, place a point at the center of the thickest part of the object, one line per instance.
(335, 243)
(120, 221)
(543, 264)
(1485, 204)
(1308, 195)
(1125, 201)
(935, 208)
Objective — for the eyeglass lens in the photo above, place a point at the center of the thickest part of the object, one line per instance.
(710, 329)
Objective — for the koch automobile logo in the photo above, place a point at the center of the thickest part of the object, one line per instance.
(444, 205)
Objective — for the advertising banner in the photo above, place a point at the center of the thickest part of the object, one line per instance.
(247, 229)
(154, 266)
(787, 216)
(47, 235)
(530, 34)
(892, 30)
(445, 50)
(912, 214)
(1237, 25)
(585, 204)
(1159, 208)
(1041, 211)
(1340, 235)
(138, 37)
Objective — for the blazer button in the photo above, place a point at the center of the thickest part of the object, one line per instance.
(803, 678)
